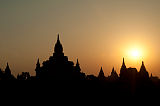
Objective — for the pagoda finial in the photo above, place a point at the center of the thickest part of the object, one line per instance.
(7, 65)
(123, 62)
(7, 70)
(77, 67)
(58, 37)
(142, 63)
(113, 69)
(58, 46)
(77, 61)
(101, 69)
(101, 74)
(38, 62)
(123, 59)
(143, 68)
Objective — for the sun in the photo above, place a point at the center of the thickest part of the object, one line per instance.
(135, 54)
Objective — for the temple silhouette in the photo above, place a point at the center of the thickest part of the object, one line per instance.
(6, 75)
(58, 67)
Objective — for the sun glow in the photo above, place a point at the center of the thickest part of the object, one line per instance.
(135, 54)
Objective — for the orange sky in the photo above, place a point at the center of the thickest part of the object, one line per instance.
(98, 32)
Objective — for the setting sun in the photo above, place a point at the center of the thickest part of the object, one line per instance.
(135, 54)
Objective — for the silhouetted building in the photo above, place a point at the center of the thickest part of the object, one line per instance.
(143, 74)
(113, 76)
(7, 70)
(128, 74)
(58, 67)
(155, 80)
(38, 69)
(101, 75)
(123, 71)
(24, 76)
(77, 67)
(91, 77)
(1, 74)
(132, 74)
(77, 72)
(133, 77)
(6, 75)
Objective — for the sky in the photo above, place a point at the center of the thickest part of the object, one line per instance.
(97, 32)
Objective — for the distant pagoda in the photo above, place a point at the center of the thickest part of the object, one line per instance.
(123, 70)
(101, 75)
(143, 73)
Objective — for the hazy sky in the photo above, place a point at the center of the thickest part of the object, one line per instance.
(98, 32)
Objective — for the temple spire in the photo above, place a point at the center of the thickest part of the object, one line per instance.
(123, 61)
(101, 75)
(101, 72)
(143, 68)
(113, 69)
(143, 73)
(58, 49)
(114, 75)
(38, 69)
(77, 67)
(38, 63)
(123, 70)
(7, 70)
(142, 63)
(123, 64)
(58, 38)
(77, 62)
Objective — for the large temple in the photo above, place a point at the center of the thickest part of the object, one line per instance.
(130, 74)
(58, 67)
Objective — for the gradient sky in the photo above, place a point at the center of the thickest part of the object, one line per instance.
(98, 32)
